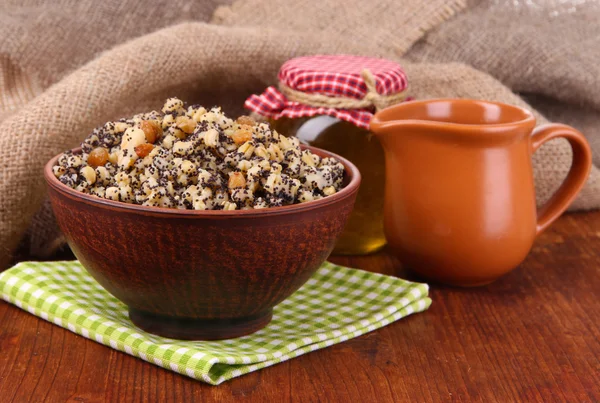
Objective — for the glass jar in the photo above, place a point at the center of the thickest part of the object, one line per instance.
(327, 101)
(364, 231)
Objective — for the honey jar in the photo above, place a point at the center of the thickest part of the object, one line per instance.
(327, 101)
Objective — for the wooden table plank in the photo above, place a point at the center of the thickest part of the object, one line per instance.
(533, 335)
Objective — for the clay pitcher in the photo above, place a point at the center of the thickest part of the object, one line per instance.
(460, 203)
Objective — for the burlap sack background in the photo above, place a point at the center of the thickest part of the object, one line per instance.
(219, 63)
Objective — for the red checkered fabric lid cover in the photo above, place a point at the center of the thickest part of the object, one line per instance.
(332, 76)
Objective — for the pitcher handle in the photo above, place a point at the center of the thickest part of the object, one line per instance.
(578, 174)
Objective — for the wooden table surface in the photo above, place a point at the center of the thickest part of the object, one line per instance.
(534, 335)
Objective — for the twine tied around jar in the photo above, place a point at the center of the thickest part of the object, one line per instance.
(371, 99)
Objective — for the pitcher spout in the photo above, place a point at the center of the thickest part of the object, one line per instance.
(387, 123)
(393, 119)
(384, 126)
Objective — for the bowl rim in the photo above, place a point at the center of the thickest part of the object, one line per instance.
(346, 191)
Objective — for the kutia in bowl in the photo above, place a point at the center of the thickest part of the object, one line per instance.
(200, 224)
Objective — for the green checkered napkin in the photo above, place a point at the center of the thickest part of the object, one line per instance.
(335, 305)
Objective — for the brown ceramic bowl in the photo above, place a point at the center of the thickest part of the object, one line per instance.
(201, 274)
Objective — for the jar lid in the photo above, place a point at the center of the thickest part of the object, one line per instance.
(348, 87)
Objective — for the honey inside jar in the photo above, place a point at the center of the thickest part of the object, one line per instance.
(364, 231)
